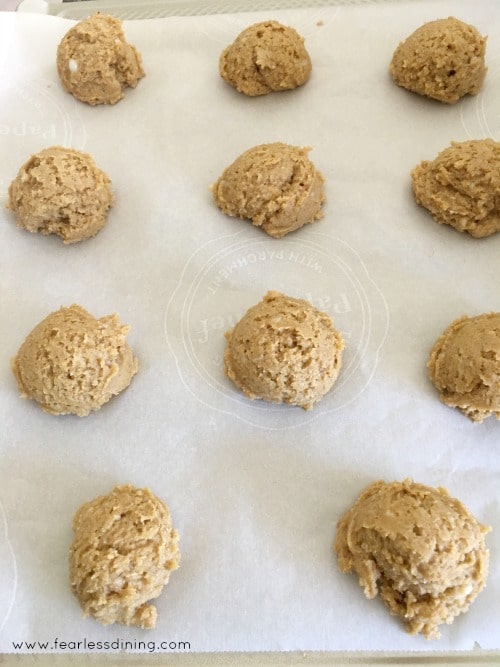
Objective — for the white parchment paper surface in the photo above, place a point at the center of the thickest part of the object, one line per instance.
(255, 490)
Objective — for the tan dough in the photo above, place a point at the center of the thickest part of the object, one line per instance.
(61, 191)
(123, 552)
(461, 186)
(73, 363)
(464, 366)
(284, 350)
(416, 547)
(442, 59)
(275, 186)
(94, 62)
(265, 57)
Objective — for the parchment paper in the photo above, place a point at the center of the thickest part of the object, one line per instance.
(255, 490)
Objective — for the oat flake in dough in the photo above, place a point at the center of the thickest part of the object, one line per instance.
(95, 63)
(418, 548)
(283, 350)
(464, 366)
(73, 363)
(264, 58)
(123, 552)
(275, 186)
(461, 186)
(442, 59)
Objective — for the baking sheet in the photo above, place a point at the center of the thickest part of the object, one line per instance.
(255, 490)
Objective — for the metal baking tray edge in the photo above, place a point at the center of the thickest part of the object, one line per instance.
(135, 9)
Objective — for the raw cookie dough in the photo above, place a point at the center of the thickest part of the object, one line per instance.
(464, 366)
(442, 59)
(123, 552)
(61, 191)
(284, 350)
(265, 57)
(94, 62)
(275, 186)
(72, 363)
(417, 547)
(461, 186)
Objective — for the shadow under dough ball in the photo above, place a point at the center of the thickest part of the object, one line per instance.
(275, 186)
(461, 186)
(442, 59)
(266, 57)
(73, 363)
(283, 350)
(61, 191)
(123, 552)
(95, 63)
(464, 366)
(418, 548)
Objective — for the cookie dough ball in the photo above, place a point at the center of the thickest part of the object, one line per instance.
(284, 350)
(416, 547)
(461, 186)
(265, 57)
(275, 186)
(442, 59)
(72, 363)
(123, 552)
(61, 191)
(94, 62)
(464, 366)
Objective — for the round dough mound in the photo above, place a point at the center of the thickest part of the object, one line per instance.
(123, 551)
(275, 186)
(417, 547)
(61, 191)
(461, 186)
(284, 350)
(72, 363)
(442, 59)
(94, 62)
(264, 58)
(464, 366)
